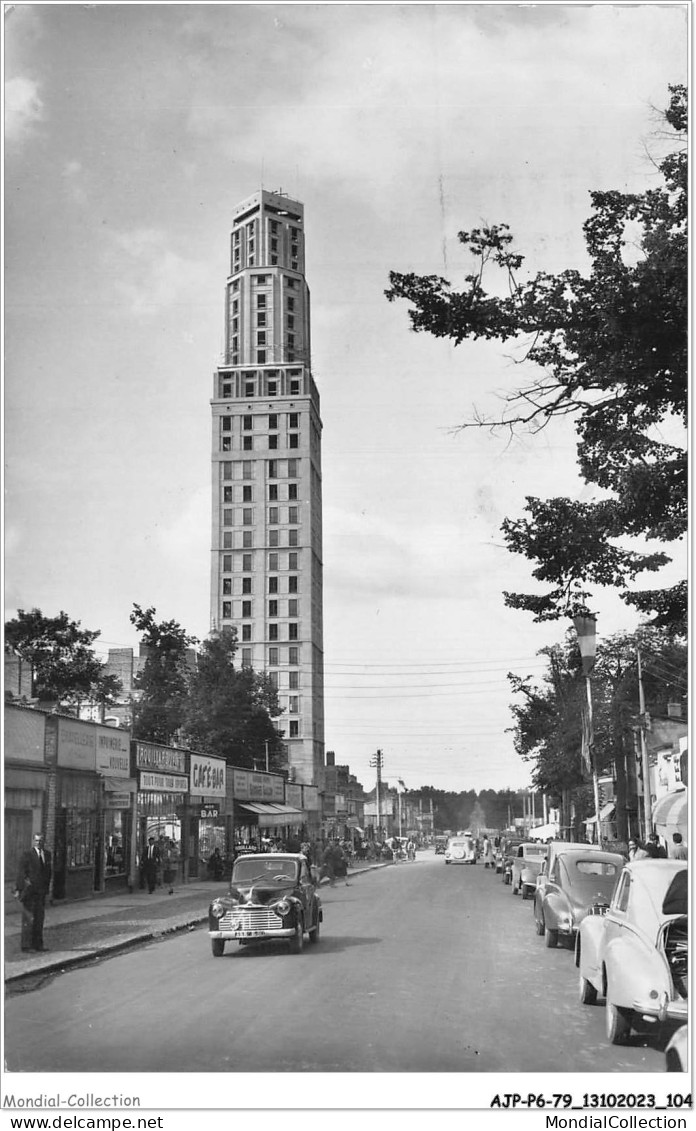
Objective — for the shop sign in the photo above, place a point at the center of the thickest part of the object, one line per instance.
(209, 811)
(310, 797)
(77, 745)
(293, 795)
(117, 800)
(113, 753)
(207, 776)
(163, 783)
(249, 786)
(148, 756)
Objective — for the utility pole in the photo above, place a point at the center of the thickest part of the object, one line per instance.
(377, 762)
(647, 799)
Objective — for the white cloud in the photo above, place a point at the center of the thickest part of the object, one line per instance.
(23, 108)
(149, 275)
(73, 178)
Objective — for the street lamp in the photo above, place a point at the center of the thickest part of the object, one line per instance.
(586, 629)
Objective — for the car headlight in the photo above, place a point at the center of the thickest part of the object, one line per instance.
(282, 907)
(216, 909)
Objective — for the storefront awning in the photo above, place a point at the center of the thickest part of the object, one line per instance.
(670, 813)
(273, 815)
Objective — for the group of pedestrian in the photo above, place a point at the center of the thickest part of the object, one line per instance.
(653, 850)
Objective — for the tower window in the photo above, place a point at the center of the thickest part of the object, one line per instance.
(292, 561)
(248, 443)
(246, 585)
(227, 563)
(273, 585)
(292, 514)
(292, 490)
(227, 494)
(247, 539)
(292, 537)
(294, 729)
(246, 657)
(273, 656)
(246, 563)
(273, 561)
(294, 387)
(273, 608)
(293, 677)
(227, 423)
(246, 494)
(247, 516)
(272, 388)
(273, 443)
(294, 440)
(294, 420)
(292, 607)
(273, 632)
(292, 468)
(273, 537)
(226, 610)
(273, 420)
(249, 389)
(246, 608)
(292, 585)
(273, 492)
(227, 586)
(292, 632)
(261, 358)
(248, 423)
(246, 469)
(246, 632)
(273, 516)
(273, 469)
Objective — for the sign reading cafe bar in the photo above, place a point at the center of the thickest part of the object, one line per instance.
(207, 776)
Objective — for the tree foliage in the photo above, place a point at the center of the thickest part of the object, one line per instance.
(162, 685)
(229, 711)
(610, 350)
(65, 669)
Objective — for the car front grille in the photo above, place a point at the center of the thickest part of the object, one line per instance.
(250, 919)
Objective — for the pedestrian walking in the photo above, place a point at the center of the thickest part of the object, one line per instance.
(636, 850)
(654, 849)
(31, 889)
(151, 863)
(679, 849)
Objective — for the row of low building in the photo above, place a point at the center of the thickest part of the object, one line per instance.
(97, 795)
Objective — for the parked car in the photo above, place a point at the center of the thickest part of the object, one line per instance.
(554, 848)
(677, 1053)
(578, 880)
(526, 865)
(636, 954)
(460, 850)
(440, 845)
(509, 854)
(271, 896)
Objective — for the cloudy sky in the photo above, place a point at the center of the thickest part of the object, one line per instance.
(131, 133)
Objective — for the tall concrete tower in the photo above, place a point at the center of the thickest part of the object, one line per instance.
(266, 576)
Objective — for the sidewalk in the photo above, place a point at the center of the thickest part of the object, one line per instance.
(87, 929)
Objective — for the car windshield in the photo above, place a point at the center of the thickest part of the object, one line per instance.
(537, 850)
(256, 869)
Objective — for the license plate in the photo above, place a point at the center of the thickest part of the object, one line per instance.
(250, 934)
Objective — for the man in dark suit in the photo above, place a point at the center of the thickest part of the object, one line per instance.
(31, 889)
(151, 862)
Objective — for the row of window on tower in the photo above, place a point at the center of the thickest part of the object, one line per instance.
(245, 493)
(245, 562)
(265, 383)
(272, 440)
(275, 516)
(280, 241)
(275, 468)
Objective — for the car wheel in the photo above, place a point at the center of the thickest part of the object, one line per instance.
(525, 894)
(539, 924)
(218, 947)
(618, 1023)
(515, 889)
(588, 993)
(297, 940)
(314, 934)
(550, 937)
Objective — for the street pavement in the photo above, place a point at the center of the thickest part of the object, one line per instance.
(85, 930)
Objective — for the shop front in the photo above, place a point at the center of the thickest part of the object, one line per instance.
(208, 806)
(260, 813)
(25, 783)
(93, 815)
(163, 811)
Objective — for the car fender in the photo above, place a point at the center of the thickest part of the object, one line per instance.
(588, 950)
(634, 970)
(554, 905)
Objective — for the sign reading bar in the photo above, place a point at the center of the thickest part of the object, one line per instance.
(163, 783)
(209, 811)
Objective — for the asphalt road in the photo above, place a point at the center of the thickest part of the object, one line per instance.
(421, 968)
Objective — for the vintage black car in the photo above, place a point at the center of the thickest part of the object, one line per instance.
(440, 845)
(271, 896)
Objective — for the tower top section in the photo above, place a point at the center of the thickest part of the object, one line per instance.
(276, 203)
